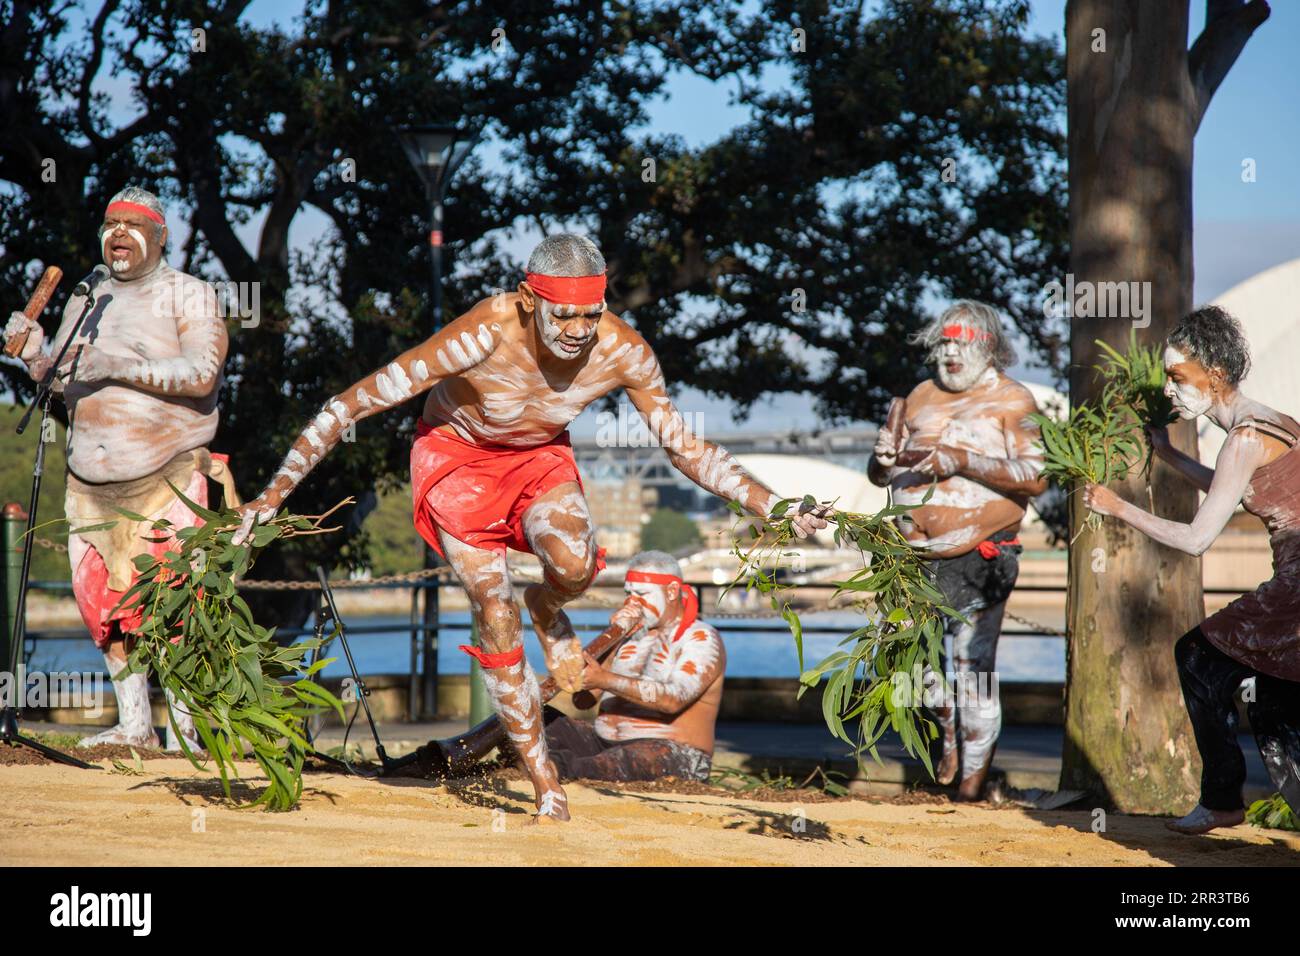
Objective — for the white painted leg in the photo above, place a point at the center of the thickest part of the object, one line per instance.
(134, 721)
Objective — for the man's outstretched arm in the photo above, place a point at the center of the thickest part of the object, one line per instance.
(459, 346)
(710, 466)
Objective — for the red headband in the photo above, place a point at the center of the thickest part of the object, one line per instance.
(650, 577)
(965, 332)
(568, 290)
(122, 206)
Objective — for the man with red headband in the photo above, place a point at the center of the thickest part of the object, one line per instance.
(140, 382)
(660, 693)
(491, 466)
(968, 430)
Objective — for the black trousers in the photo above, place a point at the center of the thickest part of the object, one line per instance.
(580, 754)
(1210, 679)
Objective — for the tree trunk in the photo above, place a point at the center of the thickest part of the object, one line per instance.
(1132, 117)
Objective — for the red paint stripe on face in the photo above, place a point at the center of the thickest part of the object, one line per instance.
(965, 332)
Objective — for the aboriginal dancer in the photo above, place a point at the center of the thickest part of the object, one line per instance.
(660, 694)
(491, 466)
(1258, 635)
(140, 382)
(968, 430)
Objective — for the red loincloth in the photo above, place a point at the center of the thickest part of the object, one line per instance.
(478, 493)
(96, 600)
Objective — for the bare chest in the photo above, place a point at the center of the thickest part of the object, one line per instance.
(648, 656)
(973, 424)
(511, 392)
(133, 325)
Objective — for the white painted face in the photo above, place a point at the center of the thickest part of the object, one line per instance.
(567, 330)
(126, 245)
(1186, 385)
(961, 363)
(652, 599)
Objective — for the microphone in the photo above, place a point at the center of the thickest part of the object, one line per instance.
(96, 276)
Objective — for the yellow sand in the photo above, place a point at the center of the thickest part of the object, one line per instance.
(173, 814)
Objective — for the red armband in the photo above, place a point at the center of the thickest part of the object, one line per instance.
(494, 661)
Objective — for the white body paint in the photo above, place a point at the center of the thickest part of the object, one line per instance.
(163, 365)
(673, 675)
(134, 719)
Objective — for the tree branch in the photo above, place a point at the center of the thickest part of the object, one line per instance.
(1228, 25)
(91, 68)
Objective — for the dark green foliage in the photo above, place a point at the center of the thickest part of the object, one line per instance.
(1103, 442)
(668, 530)
(247, 693)
(875, 679)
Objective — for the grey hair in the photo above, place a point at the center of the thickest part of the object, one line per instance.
(566, 254)
(658, 562)
(1213, 337)
(978, 315)
(142, 197)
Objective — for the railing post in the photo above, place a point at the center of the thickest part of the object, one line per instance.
(412, 689)
(11, 568)
(431, 631)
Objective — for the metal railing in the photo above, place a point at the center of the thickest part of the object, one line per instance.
(423, 657)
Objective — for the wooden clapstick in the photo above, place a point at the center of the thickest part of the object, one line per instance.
(894, 420)
(35, 305)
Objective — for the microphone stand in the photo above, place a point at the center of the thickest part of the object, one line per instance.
(11, 711)
(328, 611)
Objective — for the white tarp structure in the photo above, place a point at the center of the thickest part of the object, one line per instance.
(1268, 306)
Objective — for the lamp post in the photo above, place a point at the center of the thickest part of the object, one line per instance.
(435, 152)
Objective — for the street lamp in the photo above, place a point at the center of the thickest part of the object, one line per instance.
(435, 152)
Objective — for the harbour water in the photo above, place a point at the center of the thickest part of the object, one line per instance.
(754, 648)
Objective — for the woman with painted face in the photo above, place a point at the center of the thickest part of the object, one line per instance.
(1257, 635)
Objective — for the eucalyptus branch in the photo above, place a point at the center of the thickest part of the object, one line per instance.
(1103, 442)
(877, 675)
(245, 692)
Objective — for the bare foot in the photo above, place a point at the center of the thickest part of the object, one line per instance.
(946, 772)
(972, 788)
(552, 808)
(1203, 820)
(126, 736)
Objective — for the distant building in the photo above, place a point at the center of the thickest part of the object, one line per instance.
(617, 507)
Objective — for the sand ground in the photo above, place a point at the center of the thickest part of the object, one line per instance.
(168, 812)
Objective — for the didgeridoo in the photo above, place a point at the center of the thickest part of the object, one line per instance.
(35, 305)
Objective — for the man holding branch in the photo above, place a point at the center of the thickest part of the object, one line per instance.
(140, 381)
(492, 467)
(968, 433)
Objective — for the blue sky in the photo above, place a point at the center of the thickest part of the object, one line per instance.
(1241, 228)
